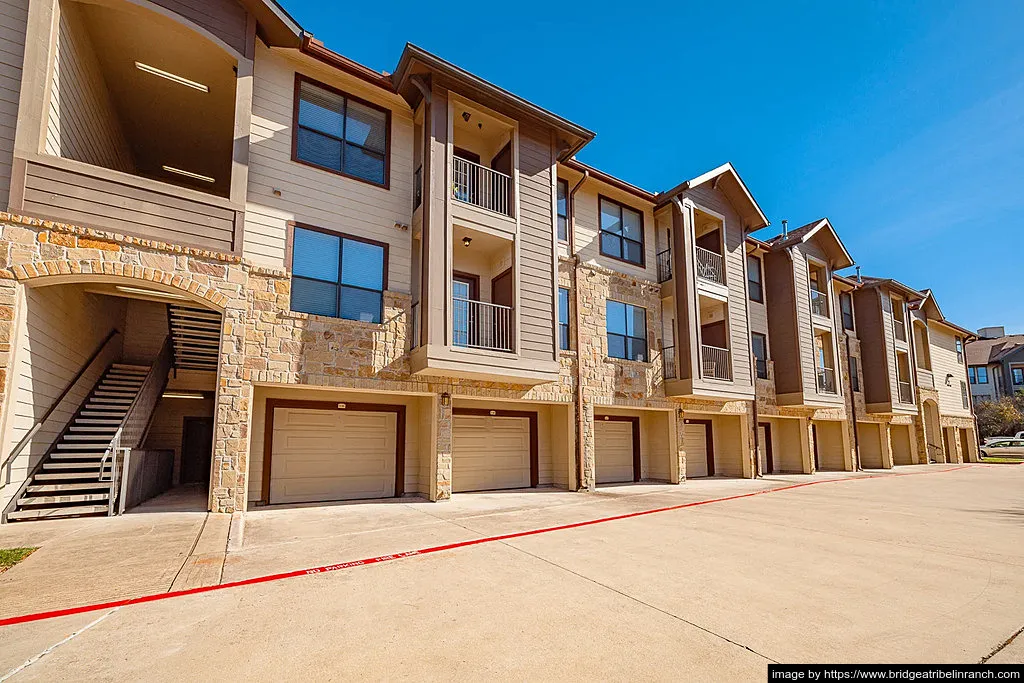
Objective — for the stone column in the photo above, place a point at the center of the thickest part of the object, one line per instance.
(441, 486)
(229, 475)
(849, 457)
(807, 445)
(886, 435)
(957, 448)
(679, 462)
(589, 460)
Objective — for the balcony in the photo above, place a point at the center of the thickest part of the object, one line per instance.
(480, 186)
(715, 362)
(668, 359)
(906, 392)
(819, 303)
(827, 380)
(710, 265)
(481, 325)
(900, 329)
(664, 265)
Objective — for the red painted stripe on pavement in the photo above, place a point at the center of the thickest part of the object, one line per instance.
(154, 597)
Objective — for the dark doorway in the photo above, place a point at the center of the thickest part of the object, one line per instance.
(502, 162)
(814, 437)
(196, 449)
(766, 444)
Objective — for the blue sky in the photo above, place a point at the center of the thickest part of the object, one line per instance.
(901, 122)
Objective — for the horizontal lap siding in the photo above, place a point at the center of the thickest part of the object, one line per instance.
(314, 196)
(943, 351)
(13, 18)
(225, 19)
(536, 285)
(586, 226)
(82, 123)
(59, 327)
(85, 199)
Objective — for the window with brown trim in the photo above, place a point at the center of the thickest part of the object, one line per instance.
(563, 210)
(621, 231)
(754, 286)
(340, 133)
(846, 309)
(338, 275)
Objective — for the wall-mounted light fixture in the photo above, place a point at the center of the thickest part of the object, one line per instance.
(446, 399)
(465, 116)
(466, 241)
(949, 380)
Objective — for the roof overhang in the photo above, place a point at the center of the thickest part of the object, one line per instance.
(826, 233)
(617, 183)
(314, 48)
(417, 61)
(274, 25)
(726, 179)
(910, 293)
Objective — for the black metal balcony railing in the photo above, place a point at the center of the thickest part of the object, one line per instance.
(715, 362)
(819, 303)
(710, 266)
(481, 325)
(827, 380)
(481, 186)
(665, 265)
(668, 359)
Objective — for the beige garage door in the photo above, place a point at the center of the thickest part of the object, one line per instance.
(613, 451)
(332, 455)
(490, 453)
(695, 441)
(869, 437)
(902, 450)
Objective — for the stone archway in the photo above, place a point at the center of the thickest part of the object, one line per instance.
(932, 432)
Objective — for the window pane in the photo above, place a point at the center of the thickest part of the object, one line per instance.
(366, 126)
(632, 225)
(362, 265)
(637, 349)
(611, 245)
(321, 109)
(616, 346)
(319, 149)
(562, 192)
(563, 337)
(563, 305)
(310, 296)
(364, 164)
(358, 304)
(563, 229)
(753, 269)
(636, 321)
(634, 251)
(759, 346)
(616, 314)
(610, 221)
(315, 254)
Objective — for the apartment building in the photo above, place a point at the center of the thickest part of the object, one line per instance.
(995, 363)
(236, 260)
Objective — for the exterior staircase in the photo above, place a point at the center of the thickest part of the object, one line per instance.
(68, 484)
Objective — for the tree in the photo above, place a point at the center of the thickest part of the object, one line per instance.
(1003, 417)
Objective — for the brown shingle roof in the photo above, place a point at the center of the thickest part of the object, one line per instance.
(985, 351)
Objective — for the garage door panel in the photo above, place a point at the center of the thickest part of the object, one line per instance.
(490, 452)
(322, 455)
(613, 451)
(695, 442)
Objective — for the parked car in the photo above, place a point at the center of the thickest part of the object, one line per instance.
(1011, 448)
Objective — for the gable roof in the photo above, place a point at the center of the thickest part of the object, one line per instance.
(726, 177)
(273, 23)
(986, 351)
(607, 178)
(909, 292)
(825, 231)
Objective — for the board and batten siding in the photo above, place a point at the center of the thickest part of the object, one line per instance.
(704, 196)
(58, 328)
(942, 344)
(82, 123)
(13, 21)
(536, 245)
(315, 196)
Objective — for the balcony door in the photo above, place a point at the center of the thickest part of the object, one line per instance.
(465, 289)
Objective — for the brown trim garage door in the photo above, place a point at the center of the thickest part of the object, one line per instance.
(617, 448)
(494, 449)
(324, 450)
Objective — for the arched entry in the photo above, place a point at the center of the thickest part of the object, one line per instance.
(933, 432)
(103, 360)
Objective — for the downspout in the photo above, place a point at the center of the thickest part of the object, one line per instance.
(570, 202)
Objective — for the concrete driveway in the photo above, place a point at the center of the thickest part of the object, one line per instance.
(923, 567)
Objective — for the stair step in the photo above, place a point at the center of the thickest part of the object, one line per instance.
(37, 501)
(68, 487)
(89, 476)
(103, 419)
(130, 368)
(98, 445)
(92, 468)
(115, 393)
(108, 412)
(94, 438)
(57, 513)
(108, 429)
(107, 400)
(93, 456)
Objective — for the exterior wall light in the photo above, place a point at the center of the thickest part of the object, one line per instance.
(446, 399)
